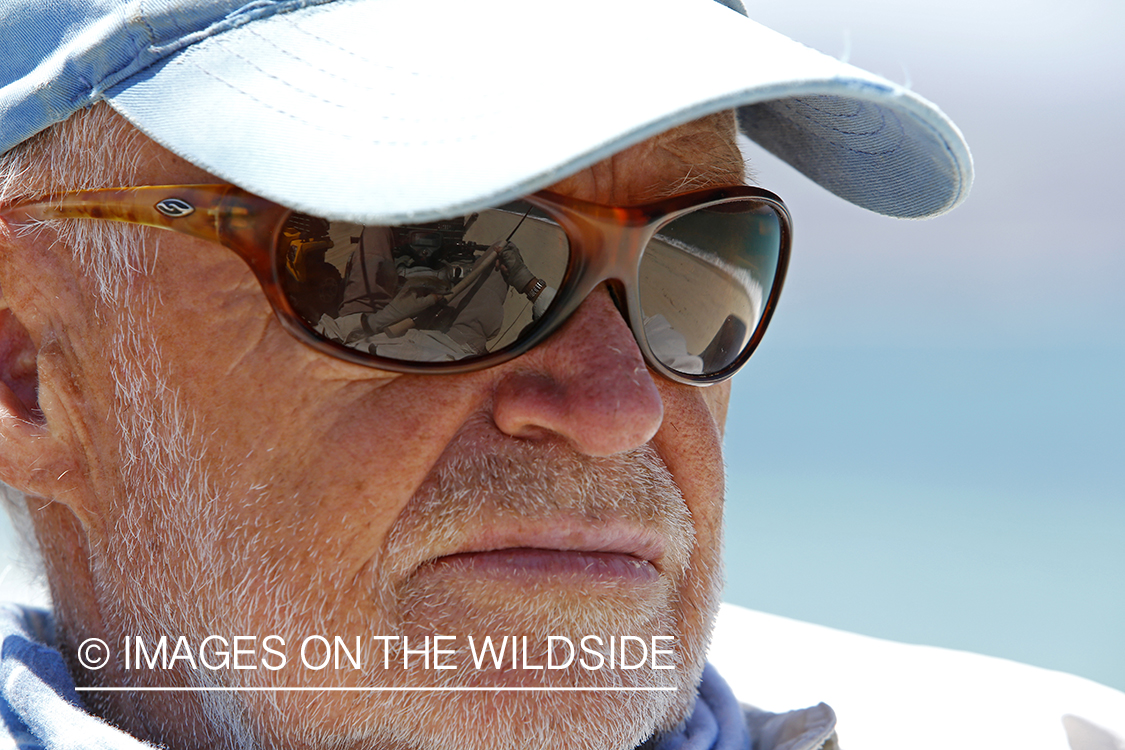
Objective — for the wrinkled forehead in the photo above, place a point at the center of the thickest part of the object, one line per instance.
(700, 154)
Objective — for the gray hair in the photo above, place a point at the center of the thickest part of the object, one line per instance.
(94, 148)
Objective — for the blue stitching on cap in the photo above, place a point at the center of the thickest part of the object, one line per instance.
(347, 135)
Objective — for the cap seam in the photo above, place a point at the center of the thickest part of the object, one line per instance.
(812, 132)
(144, 20)
(272, 76)
(351, 53)
(911, 105)
(905, 102)
(159, 50)
(320, 69)
(959, 177)
(340, 134)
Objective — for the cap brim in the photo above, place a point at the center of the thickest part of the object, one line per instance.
(397, 110)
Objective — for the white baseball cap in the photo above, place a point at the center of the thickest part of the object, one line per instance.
(384, 111)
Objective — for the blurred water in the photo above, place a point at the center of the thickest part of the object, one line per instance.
(967, 499)
(930, 445)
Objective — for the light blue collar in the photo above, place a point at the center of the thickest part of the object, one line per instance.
(41, 710)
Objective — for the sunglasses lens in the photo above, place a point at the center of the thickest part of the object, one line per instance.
(435, 292)
(468, 288)
(705, 280)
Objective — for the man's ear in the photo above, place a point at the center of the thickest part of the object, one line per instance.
(26, 446)
(31, 461)
(17, 365)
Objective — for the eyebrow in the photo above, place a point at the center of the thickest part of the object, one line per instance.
(699, 177)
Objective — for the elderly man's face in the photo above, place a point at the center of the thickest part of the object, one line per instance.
(220, 478)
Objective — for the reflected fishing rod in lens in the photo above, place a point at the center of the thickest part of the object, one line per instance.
(483, 263)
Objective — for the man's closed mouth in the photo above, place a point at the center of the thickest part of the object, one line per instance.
(611, 553)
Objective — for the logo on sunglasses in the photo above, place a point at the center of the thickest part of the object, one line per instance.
(175, 208)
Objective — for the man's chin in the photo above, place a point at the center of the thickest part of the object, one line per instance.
(545, 667)
(480, 597)
(609, 711)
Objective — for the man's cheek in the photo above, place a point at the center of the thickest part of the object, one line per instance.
(717, 398)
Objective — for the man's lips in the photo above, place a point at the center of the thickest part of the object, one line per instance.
(531, 562)
(607, 553)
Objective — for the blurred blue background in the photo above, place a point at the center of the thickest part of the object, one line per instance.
(929, 445)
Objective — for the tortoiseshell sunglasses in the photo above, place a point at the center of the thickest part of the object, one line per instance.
(696, 276)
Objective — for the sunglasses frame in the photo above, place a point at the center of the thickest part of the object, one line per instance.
(606, 246)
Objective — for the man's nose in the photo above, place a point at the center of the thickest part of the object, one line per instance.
(587, 384)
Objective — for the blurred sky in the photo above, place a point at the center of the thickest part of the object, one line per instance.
(929, 445)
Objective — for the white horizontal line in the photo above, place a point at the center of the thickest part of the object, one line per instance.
(375, 689)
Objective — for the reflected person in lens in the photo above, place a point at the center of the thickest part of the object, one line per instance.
(419, 293)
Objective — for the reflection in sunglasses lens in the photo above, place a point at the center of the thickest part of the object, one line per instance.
(449, 290)
(705, 278)
(433, 292)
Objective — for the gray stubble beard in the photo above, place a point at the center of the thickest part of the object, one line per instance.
(173, 511)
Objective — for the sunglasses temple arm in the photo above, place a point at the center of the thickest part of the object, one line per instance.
(216, 213)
